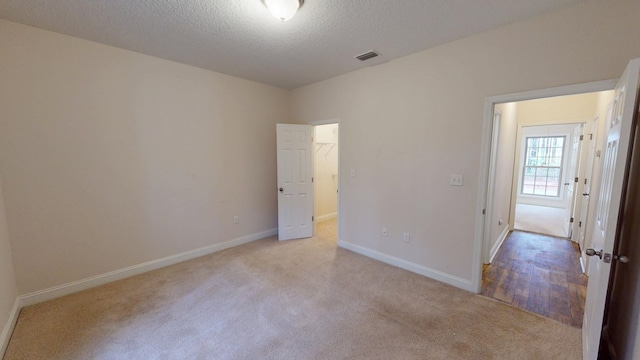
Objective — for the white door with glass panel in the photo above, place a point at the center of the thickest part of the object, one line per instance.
(295, 184)
(615, 154)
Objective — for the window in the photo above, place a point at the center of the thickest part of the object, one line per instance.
(543, 166)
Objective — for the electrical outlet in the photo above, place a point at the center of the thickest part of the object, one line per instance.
(236, 220)
(456, 180)
(406, 238)
(385, 232)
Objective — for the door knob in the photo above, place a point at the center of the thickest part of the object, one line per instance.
(567, 184)
(621, 258)
(591, 252)
(585, 194)
(281, 189)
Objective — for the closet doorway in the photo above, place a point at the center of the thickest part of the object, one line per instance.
(326, 179)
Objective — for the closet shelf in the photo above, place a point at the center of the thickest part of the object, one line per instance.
(329, 145)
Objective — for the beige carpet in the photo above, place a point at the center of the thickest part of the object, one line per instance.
(301, 299)
(540, 219)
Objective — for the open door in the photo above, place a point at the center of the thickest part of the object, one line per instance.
(572, 177)
(605, 230)
(583, 224)
(295, 181)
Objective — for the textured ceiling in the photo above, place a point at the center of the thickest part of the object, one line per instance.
(241, 38)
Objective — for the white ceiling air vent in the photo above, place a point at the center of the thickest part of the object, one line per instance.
(368, 55)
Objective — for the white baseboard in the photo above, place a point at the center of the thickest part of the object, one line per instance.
(409, 266)
(8, 327)
(582, 265)
(498, 244)
(83, 284)
(327, 217)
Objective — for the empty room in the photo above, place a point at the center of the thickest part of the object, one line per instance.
(288, 179)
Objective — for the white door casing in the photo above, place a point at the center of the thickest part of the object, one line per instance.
(614, 169)
(295, 184)
(497, 119)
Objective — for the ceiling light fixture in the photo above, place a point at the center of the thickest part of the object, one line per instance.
(283, 10)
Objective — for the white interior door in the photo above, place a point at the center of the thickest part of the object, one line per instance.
(295, 183)
(604, 231)
(570, 182)
(583, 224)
(586, 140)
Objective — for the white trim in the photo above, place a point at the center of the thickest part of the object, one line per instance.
(498, 244)
(409, 266)
(584, 268)
(495, 133)
(327, 217)
(9, 326)
(75, 286)
(595, 86)
(325, 122)
(485, 154)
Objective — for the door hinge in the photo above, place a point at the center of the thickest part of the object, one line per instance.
(585, 181)
(579, 223)
(581, 137)
(312, 218)
(484, 211)
(571, 220)
(576, 180)
(590, 136)
(311, 179)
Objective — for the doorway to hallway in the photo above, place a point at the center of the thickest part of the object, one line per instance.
(540, 152)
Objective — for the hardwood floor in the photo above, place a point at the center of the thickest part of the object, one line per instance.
(540, 274)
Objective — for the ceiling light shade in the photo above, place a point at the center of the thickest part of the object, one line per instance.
(283, 10)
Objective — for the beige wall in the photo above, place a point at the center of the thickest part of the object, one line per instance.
(8, 289)
(408, 124)
(506, 146)
(558, 110)
(111, 158)
(326, 171)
